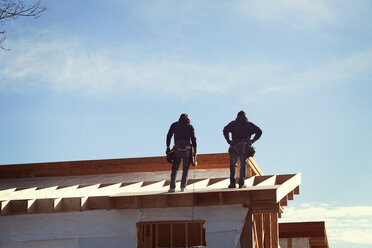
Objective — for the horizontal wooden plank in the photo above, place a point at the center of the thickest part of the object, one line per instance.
(106, 166)
(317, 241)
(111, 166)
(302, 229)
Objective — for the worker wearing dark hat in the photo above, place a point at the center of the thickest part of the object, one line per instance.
(240, 145)
(184, 141)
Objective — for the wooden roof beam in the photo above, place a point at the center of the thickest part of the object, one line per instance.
(268, 180)
(111, 166)
(264, 207)
(287, 187)
(291, 195)
(5, 193)
(284, 201)
(302, 229)
(260, 198)
(260, 179)
(297, 190)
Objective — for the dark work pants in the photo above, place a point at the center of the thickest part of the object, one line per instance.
(241, 155)
(185, 157)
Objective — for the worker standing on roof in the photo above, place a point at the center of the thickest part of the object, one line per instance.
(184, 141)
(240, 145)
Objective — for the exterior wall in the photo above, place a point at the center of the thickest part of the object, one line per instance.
(295, 243)
(115, 228)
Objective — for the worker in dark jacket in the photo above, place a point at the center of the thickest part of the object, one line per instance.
(184, 138)
(241, 131)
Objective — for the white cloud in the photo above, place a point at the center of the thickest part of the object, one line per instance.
(61, 63)
(343, 223)
(66, 65)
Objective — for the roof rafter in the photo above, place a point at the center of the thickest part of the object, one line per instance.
(263, 194)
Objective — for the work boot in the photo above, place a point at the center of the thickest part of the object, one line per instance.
(242, 186)
(171, 190)
(183, 189)
(232, 186)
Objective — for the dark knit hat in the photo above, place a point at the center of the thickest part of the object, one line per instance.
(184, 115)
(241, 113)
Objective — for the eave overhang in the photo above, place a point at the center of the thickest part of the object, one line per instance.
(263, 194)
(315, 231)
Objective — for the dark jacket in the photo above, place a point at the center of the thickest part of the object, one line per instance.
(241, 130)
(183, 132)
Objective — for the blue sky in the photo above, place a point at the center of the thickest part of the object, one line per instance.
(99, 80)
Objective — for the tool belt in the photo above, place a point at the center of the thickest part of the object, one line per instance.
(247, 149)
(170, 156)
(182, 146)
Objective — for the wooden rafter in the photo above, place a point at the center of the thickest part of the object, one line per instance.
(260, 197)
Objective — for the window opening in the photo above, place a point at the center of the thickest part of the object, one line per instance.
(174, 234)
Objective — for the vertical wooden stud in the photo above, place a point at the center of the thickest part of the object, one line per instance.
(267, 229)
(171, 235)
(274, 230)
(186, 234)
(246, 238)
(157, 236)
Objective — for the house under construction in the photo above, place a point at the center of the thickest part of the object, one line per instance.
(124, 203)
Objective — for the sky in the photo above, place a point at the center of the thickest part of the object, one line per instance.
(105, 79)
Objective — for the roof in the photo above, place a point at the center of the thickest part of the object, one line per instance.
(111, 166)
(315, 231)
(263, 194)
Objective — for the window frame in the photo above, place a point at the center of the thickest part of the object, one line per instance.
(148, 234)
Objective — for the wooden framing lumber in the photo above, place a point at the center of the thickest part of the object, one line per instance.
(247, 238)
(302, 229)
(259, 230)
(267, 227)
(315, 231)
(111, 166)
(261, 196)
(288, 186)
(274, 230)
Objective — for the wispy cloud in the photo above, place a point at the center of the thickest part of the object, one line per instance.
(66, 65)
(61, 63)
(343, 223)
(349, 69)
(293, 13)
(299, 14)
